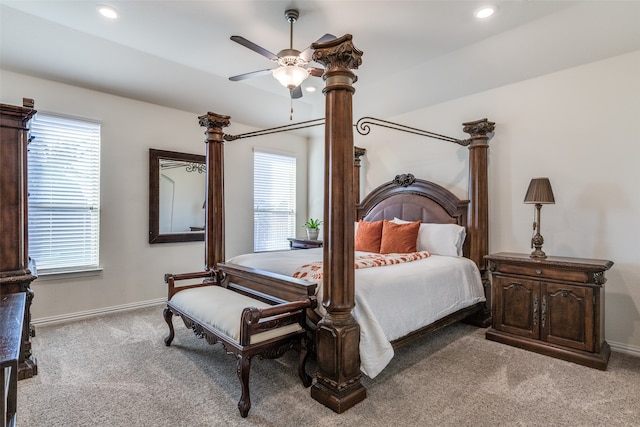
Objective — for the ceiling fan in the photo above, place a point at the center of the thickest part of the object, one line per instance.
(291, 71)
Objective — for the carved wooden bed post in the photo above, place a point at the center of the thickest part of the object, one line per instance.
(338, 335)
(214, 228)
(479, 207)
(478, 189)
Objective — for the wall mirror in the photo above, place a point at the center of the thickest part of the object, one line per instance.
(177, 191)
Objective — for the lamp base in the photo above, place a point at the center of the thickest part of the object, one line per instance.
(538, 254)
(536, 242)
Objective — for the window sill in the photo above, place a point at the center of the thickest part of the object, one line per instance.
(45, 276)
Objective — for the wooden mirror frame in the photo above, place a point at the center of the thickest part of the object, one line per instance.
(154, 197)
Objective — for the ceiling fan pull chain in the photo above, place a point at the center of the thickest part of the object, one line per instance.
(291, 114)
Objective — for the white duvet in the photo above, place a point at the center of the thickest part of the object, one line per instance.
(393, 300)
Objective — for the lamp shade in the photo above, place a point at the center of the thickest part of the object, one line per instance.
(539, 192)
(290, 76)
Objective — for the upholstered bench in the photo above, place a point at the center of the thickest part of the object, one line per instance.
(247, 321)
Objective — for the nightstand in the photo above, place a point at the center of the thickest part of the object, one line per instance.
(295, 243)
(553, 306)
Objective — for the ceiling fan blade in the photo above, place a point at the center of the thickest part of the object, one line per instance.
(249, 75)
(306, 54)
(316, 72)
(254, 47)
(325, 38)
(296, 92)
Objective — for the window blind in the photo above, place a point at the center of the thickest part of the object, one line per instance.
(274, 200)
(64, 193)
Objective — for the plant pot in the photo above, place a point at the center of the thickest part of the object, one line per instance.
(312, 233)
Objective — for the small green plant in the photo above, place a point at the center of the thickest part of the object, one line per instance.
(312, 224)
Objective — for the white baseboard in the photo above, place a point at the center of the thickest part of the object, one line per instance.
(98, 311)
(624, 348)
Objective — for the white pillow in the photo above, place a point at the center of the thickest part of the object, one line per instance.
(439, 239)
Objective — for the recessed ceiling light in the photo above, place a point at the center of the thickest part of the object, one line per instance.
(108, 12)
(484, 12)
(310, 89)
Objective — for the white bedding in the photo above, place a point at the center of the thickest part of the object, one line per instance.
(393, 300)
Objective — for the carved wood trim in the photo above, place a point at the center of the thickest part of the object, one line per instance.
(338, 336)
(478, 227)
(15, 267)
(408, 184)
(155, 156)
(214, 228)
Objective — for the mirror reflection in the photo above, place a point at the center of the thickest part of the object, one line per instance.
(181, 196)
(176, 196)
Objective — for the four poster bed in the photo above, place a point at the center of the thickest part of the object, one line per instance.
(452, 240)
(407, 294)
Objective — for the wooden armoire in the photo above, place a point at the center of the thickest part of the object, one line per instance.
(16, 271)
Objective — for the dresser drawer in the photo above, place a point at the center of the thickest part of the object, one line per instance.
(544, 272)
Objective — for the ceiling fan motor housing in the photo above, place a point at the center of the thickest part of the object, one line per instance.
(290, 57)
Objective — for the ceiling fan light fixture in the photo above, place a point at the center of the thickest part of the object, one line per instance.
(290, 76)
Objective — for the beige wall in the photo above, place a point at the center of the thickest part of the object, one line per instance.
(579, 127)
(132, 268)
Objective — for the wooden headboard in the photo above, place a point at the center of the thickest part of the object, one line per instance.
(412, 199)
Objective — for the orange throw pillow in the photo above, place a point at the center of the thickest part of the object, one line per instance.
(399, 238)
(368, 236)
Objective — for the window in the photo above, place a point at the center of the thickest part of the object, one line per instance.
(274, 200)
(64, 193)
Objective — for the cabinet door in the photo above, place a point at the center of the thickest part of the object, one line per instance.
(517, 306)
(567, 316)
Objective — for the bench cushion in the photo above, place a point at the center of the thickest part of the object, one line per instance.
(221, 309)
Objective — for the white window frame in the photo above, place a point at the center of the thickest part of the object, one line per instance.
(64, 194)
(274, 199)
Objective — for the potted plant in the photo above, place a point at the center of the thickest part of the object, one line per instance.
(312, 226)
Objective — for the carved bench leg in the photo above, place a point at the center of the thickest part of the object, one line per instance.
(168, 317)
(244, 365)
(302, 362)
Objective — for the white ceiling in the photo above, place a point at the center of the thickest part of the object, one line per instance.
(178, 54)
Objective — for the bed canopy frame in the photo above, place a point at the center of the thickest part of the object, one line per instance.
(338, 383)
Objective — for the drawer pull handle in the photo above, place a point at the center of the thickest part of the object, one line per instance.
(538, 271)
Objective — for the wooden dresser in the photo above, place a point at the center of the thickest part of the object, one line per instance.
(16, 274)
(553, 306)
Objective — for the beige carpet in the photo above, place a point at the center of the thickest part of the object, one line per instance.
(116, 371)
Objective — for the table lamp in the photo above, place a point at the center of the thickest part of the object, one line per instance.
(538, 193)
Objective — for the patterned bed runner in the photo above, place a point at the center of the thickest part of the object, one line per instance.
(313, 271)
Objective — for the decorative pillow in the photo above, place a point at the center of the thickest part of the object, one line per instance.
(439, 239)
(399, 238)
(368, 236)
